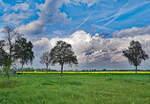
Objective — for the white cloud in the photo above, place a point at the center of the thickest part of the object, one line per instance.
(15, 14)
(88, 2)
(1, 33)
(15, 18)
(127, 7)
(58, 32)
(49, 11)
(134, 31)
(49, 14)
(43, 43)
(95, 49)
(34, 27)
(22, 6)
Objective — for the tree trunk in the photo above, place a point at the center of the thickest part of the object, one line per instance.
(136, 69)
(22, 66)
(47, 68)
(8, 76)
(62, 65)
(7, 73)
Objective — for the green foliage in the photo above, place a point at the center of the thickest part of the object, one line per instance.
(135, 53)
(23, 51)
(7, 67)
(62, 54)
(14, 47)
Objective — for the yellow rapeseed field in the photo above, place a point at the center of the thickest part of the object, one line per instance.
(96, 72)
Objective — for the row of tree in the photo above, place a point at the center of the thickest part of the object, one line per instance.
(135, 54)
(14, 47)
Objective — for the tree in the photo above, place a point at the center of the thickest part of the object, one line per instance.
(3, 54)
(9, 37)
(23, 51)
(62, 54)
(6, 51)
(7, 67)
(135, 54)
(46, 59)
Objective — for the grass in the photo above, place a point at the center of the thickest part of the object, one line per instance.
(75, 89)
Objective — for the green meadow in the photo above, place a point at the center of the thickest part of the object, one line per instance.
(75, 89)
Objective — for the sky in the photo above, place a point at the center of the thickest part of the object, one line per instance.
(98, 30)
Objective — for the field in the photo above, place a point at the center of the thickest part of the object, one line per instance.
(75, 89)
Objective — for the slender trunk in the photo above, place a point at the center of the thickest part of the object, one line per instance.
(8, 76)
(7, 73)
(61, 74)
(136, 69)
(62, 65)
(10, 45)
(22, 66)
(47, 68)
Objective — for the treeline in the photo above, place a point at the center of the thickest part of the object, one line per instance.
(14, 47)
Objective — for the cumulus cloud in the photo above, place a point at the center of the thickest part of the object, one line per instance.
(43, 43)
(95, 49)
(134, 31)
(49, 11)
(49, 14)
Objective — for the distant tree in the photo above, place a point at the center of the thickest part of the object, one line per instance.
(135, 54)
(62, 54)
(23, 51)
(46, 59)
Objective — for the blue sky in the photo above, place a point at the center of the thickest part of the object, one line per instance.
(65, 19)
(94, 17)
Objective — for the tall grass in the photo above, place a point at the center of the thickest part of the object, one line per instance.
(75, 89)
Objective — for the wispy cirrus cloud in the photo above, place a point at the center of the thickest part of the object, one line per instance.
(124, 9)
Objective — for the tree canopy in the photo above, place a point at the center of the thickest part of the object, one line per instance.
(135, 53)
(62, 54)
(23, 51)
